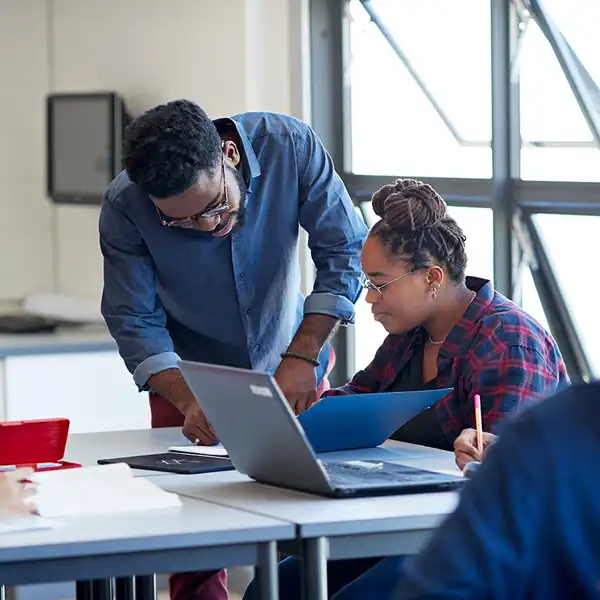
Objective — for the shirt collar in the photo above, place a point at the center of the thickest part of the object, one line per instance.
(484, 295)
(249, 156)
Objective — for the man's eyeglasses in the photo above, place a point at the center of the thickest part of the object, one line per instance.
(219, 207)
(370, 286)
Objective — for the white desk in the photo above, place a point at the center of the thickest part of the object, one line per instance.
(329, 528)
(199, 536)
(87, 448)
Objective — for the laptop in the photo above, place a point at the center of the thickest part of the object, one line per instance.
(266, 442)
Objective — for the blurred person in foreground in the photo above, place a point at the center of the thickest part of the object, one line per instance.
(199, 236)
(446, 330)
(528, 524)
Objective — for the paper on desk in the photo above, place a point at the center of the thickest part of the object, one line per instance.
(95, 490)
(216, 450)
(26, 522)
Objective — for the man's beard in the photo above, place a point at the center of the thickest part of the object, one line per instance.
(240, 213)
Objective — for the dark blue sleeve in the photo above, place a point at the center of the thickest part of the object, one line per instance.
(336, 232)
(486, 549)
(130, 305)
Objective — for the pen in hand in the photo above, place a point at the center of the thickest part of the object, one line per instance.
(478, 425)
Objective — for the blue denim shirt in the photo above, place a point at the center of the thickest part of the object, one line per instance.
(173, 293)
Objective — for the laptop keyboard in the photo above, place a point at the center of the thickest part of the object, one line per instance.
(353, 473)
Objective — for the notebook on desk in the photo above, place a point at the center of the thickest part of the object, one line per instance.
(266, 442)
(173, 462)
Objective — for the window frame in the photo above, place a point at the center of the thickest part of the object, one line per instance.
(513, 200)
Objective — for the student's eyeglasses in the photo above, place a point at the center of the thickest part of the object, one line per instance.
(370, 286)
(219, 207)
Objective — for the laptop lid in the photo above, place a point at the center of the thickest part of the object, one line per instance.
(256, 425)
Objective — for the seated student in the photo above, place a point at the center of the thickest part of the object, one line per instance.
(528, 524)
(446, 330)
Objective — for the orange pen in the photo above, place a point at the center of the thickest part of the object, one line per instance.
(478, 425)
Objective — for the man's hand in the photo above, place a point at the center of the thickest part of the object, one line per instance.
(298, 382)
(196, 427)
(296, 377)
(465, 450)
(171, 385)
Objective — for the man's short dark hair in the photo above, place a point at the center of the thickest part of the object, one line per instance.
(167, 148)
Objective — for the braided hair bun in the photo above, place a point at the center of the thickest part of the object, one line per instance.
(416, 227)
(409, 205)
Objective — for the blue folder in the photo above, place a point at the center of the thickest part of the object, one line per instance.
(363, 420)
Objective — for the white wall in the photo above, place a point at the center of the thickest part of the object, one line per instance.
(229, 56)
(26, 263)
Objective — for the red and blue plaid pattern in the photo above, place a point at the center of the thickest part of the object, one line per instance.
(496, 350)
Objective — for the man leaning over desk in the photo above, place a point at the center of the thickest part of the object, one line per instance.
(199, 236)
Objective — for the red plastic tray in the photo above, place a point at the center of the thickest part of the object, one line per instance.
(30, 443)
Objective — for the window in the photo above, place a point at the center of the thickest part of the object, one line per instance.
(571, 244)
(478, 227)
(578, 22)
(530, 299)
(557, 143)
(395, 128)
(436, 95)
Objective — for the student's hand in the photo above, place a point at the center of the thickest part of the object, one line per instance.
(298, 382)
(465, 447)
(196, 427)
(14, 493)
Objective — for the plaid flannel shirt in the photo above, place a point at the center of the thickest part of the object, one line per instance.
(496, 350)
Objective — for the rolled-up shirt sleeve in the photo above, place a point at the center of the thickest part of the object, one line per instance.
(130, 305)
(336, 232)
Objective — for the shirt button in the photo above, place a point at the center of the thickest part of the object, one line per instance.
(242, 275)
(256, 347)
(248, 311)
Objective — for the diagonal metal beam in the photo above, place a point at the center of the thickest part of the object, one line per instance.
(575, 73)
(395, 46)
(553, 302)
(588, 80)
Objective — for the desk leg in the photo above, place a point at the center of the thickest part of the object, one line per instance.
(83, 590)
(268, 578)
(314, 566)
(124, 588)
(145, 587)
(102, 589)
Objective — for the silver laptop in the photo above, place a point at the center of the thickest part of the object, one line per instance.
(265, 441)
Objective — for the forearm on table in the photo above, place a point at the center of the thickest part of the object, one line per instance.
(314, 332)
(170, 384)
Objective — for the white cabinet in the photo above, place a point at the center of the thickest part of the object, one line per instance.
(92, 389)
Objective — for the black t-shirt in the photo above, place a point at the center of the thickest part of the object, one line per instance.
(423, 429)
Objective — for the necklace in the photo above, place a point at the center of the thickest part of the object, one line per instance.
(439, 343)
